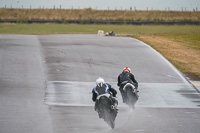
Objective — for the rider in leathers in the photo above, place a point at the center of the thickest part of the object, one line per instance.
(103, 88)
(126, 77)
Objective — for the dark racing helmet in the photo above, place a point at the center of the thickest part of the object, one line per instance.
(127, 69)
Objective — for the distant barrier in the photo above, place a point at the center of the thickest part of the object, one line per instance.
(105, 22)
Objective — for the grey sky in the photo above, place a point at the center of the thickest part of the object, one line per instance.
(105, 4)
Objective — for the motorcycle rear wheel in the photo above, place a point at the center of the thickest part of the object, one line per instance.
(131, 97)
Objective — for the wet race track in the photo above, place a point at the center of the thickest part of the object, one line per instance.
(46, 83)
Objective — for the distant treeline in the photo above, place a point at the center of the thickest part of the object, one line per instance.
(90, 16)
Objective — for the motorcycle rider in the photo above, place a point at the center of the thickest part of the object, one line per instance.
(103, 88)
(126, 77)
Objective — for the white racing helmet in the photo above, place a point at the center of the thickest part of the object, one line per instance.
(100, 81)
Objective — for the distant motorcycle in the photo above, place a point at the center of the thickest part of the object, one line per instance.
(131, 94)
(111, 33)
(108, 110)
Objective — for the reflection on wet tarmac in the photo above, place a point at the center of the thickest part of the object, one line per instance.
(170, 95)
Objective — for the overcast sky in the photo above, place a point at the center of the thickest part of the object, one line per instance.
(105, 4)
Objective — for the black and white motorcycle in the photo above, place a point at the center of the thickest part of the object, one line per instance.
(131, 94)
(107, 109)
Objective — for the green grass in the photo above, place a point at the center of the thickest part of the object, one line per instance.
(184, 30)
(193, 40)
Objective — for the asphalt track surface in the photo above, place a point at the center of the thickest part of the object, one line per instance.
(46, 83)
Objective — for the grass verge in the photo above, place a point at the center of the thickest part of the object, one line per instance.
(181, 52)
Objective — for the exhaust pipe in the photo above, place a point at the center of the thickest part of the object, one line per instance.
(112, 107)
